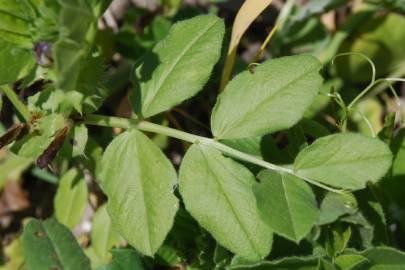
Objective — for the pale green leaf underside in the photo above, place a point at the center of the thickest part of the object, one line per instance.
(344, 160)
(138, 180)
(71, 198)
(179, 66)
(218, 192)
(50, 245)
(34, 144)
(103, 235)
(287, 204)
(273, 98)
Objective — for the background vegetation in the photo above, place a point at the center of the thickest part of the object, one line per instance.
(354, 230)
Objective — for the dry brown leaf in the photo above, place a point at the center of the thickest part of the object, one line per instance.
(13, 198)
(248, 12)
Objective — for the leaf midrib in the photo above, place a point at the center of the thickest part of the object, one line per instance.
(54, 247)
(142, 191)
(258, 107)
(149, 101)
(289, 208)
(241, 224)
(105, 237)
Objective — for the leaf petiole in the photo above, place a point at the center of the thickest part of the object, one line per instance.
(17, 103)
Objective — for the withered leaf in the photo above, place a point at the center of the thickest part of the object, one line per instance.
(50, 153)
(14, 133)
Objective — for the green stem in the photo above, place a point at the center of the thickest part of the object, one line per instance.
(125, 123)
(17, 103)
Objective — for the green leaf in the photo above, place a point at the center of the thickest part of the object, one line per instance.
(322, 100)
(13, 8)
(138, 180)
(56, 100)
(71, 198)
(344, 160)
(394, 185)
(44, 19)
(379, 38)
(95, 261)
(103, 235)
(218, 192)
(93, 156)
(387, 132)
(50, 245)
(350, 261)
(15, 62)
(371, 109)
(14, 25)
(326, 264)
(315, 7)
(287, 204)
(372, 210)
(78, 27)
(124, 259)
(75, 142)
(274, 98)
(179, 66)
(338, 236)
(35, 143)
(384, 258)
(335, 205)
(88, 95)
(366, 232)
(289, 263)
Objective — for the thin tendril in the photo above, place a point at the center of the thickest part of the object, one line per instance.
(363, 56)
(368, 123)
(368, 88)
(373, 75)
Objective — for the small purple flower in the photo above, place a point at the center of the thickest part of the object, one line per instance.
(43, 53)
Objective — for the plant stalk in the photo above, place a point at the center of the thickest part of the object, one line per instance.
(125, 123)
(17, 103)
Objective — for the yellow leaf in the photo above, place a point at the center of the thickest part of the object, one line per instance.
(249, 11)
